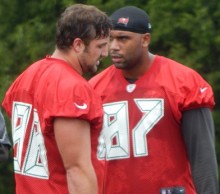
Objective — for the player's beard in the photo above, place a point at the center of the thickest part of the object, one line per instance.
(86, 64)
(120, 63)
(92, 68)
(125, 62)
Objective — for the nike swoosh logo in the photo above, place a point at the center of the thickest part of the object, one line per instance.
(83, 106)
(203, 89)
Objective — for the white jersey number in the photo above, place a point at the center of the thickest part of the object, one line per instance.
(35, 161)
(114, 138)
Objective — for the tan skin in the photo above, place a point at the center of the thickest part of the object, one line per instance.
(84, 58)
(93, 54)
(75, 150)
(129, 52)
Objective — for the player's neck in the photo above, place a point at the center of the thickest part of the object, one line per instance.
(68, 57)
(139, 70)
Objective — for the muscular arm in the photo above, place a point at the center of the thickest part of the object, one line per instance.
(73, 140)
(198, 133)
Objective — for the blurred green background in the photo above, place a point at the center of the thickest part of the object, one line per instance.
(186, 31)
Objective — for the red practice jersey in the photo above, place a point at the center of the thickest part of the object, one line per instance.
(141, 141)
(47, 89)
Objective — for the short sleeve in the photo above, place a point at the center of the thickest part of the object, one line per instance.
(196, 92)
(75, 100)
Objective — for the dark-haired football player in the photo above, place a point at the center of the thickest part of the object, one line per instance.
(158, 132)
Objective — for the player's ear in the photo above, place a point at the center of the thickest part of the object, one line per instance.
(146, 39)
(78, 45)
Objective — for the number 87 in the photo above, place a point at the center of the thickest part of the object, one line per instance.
(114, 138)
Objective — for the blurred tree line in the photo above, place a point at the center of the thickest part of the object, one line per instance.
(186, 31)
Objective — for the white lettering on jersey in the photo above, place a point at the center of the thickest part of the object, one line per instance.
(20, 116)
(114, 138)
(153, 110)
(35, 161)
(115, 134)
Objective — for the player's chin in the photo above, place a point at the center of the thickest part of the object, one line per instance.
(93, 69)
(119, 65)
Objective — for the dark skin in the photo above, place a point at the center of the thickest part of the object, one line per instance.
(129, 52)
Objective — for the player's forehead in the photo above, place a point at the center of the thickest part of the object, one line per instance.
(116, 33)
(100, 41)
